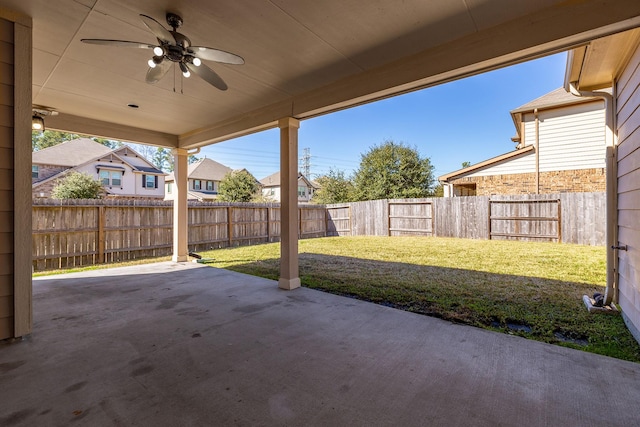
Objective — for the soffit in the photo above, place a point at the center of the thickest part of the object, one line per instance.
(603, 59)
(303, 57)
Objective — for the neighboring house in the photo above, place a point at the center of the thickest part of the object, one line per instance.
(123, 172)
(271, 187)
(560, 148)
(204, 180)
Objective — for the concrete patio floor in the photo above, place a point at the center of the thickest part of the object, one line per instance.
(184, 344)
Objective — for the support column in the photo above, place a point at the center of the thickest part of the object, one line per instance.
(289, 276)
(180, 221)
(16, 309)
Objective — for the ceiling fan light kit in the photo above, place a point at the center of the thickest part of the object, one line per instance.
(175, 47)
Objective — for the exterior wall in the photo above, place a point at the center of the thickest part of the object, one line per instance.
(628, 153)
(525, 163)
(203, 185)
(131, 183)
(584, 180)
(16, 317)
(47, 171)
(6, 184)
(272, 192)
(571, 137)
(275, 196)
(571, 154)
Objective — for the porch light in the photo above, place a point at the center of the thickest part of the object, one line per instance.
(153, 62)
(185, 70)
(37, 122)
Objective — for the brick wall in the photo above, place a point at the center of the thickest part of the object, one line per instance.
(47, 171)
(573, 181)
(43, 188)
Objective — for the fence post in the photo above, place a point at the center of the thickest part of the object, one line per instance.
(489, 222)
(101, 220)
(268, 224)
(229, 225)
(388, 217)
(326, 221)
(559, 222)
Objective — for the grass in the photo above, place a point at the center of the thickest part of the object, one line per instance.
(524, 288)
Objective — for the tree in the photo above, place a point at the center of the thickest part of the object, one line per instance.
(162, 159)
(49, 138)
(238, 186)
(438, 191)
(334, 188)
(466, 164)
(108, 142)
(77, 185)
(393, 171)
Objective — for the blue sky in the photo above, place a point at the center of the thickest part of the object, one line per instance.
(465, 120)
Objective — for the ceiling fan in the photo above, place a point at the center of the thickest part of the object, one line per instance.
(175, 47)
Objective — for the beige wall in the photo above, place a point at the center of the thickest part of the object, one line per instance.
(574, 181)
(15, 183)
(628, 127)
(6, 183)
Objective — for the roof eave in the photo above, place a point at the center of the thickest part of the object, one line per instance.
(488, 162)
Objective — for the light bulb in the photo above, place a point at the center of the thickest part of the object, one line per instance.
(197, 62)
(187, 74)
(157, 51)
(151, 63)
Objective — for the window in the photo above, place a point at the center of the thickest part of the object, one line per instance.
(302, 191)
(34, 171)
(169, 187)
(209, 185)
(272, 191)
(197, 185)
(149, 181)
(111, 178)
(116, 179)
(104, 178)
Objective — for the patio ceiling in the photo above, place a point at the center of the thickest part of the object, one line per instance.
(303, 58)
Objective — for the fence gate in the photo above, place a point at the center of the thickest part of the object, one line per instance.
(525, 219)
(411, 218)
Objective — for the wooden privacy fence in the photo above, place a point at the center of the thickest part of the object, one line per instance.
(81, 232)
(577, 218)
(86, 232)
(525, 219)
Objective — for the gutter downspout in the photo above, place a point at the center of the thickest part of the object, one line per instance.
(537, 122)
(611, 291)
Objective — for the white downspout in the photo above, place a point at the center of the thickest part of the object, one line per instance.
(611, 192)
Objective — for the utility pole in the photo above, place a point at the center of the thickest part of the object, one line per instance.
(305, 163)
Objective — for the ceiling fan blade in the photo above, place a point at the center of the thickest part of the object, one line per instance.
(158, 30)
(211, 54)
(208, 75)
(155, 74)
(122, 43)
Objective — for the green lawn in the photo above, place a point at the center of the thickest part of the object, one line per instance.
(524, 288)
